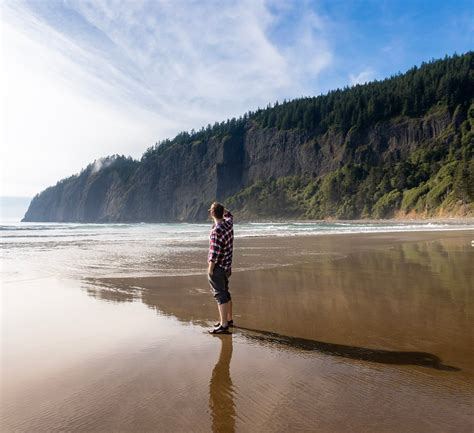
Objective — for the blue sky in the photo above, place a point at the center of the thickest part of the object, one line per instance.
(86, 79)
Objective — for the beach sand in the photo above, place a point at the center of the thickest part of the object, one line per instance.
(335, 333)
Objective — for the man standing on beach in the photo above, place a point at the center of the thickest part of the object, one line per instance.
(221, 241)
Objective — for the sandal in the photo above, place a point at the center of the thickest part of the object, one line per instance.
(229, 323)
(220, 330)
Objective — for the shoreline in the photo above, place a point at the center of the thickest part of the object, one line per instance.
(274, 246)
(402, 219)
(353, 233)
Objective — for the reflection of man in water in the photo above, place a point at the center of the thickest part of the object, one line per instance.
(221, 240)
(221, 392)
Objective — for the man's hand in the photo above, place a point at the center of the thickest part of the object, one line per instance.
(210, 268)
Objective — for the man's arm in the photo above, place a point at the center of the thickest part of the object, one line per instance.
(214, 251)
(210, 268)
(228, 215)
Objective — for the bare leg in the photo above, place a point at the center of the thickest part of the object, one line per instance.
(220, 313)
(229, 313)
(223, 313)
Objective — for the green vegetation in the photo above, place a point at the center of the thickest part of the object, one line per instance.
(447, 82)
(123, 165)
(434, 180)
(437, 178)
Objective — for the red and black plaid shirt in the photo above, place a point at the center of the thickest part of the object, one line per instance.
(221, 242)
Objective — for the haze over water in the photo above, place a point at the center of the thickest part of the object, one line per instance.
(367, 329)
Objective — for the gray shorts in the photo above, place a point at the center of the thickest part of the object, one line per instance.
(219, 281)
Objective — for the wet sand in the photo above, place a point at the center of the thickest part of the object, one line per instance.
(360, 333)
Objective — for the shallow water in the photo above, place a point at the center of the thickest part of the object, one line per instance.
(362, 333)
(39, 250)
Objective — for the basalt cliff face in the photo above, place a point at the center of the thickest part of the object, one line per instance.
(180, 185)
(368, 169)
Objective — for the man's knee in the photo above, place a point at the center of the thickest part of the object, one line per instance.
(222, 297)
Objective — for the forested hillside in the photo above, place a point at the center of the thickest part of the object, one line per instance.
(397, 147)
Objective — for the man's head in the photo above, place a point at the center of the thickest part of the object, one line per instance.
(217, 210)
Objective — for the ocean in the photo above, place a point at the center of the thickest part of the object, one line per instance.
(33, 250)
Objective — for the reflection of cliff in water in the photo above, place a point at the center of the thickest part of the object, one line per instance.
(394, 296)
(283, 342)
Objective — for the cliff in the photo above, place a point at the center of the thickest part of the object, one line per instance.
(346, 159)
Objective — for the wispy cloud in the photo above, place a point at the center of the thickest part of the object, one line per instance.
(196, 60)
(362, 77)
(92, 78)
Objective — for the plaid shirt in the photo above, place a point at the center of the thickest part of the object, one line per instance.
(221, 241)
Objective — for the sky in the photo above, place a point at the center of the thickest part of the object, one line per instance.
(81, 80)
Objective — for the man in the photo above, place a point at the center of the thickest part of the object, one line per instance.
(221, 240)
